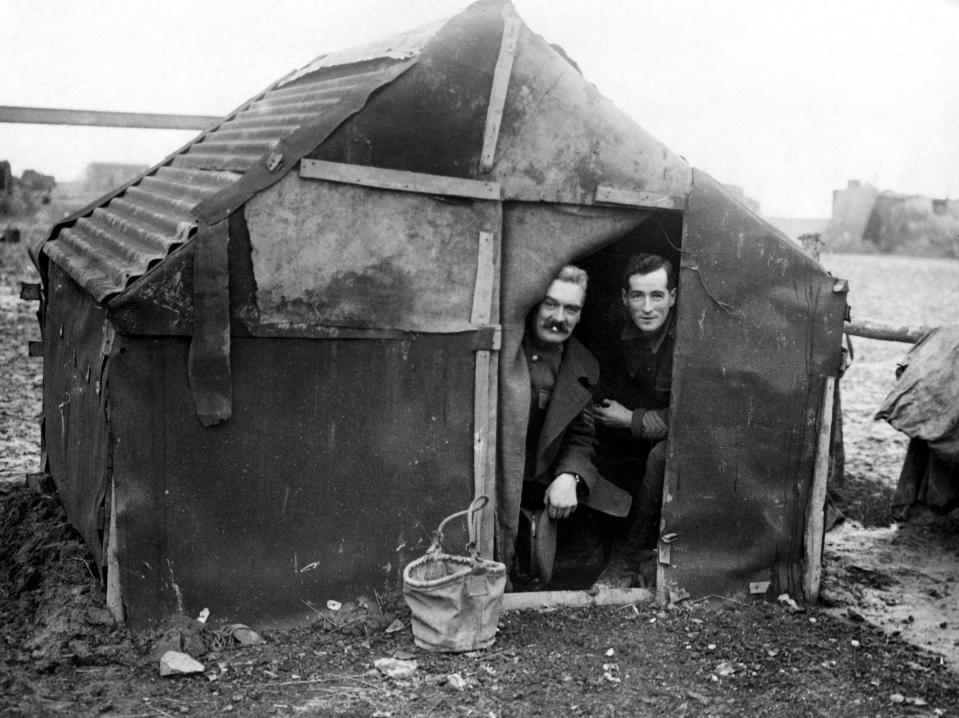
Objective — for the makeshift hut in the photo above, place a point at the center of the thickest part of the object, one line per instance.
(276, 360)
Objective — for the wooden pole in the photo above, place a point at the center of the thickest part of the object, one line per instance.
(887, 332)
(815, 511)
(99, 118)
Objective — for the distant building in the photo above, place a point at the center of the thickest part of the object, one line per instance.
(102, 177)
(865, 219)
(23, 195)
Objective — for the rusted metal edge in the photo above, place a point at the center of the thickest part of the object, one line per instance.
(606, 194)
(399, 180)
(485, 338)
(534, 600)
(500, 86)
(888, 332)
(271, 168)
(815, 510)
(101, 118)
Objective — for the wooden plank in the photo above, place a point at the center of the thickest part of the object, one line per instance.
(487, 522)
(535, 600)
(398, 180)
(483, 288)
(101, 118)
(481, 439)
(887, 332)
(815, 511)
(632, 198)
(114, 596)
(500, 86)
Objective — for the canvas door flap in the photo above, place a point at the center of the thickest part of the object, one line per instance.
(759, 329)
(209, 358)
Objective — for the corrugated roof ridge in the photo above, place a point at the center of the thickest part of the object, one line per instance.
(158, 203)
(108, 198)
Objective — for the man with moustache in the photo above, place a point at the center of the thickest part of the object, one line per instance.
(634, 411)
(559, 473)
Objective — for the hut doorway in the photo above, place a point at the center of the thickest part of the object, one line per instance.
(585, 540)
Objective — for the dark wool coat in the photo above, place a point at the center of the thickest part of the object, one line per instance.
(567, 441)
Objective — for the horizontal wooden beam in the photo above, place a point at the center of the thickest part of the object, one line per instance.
(100, 118)
(537, 600)
(399, 180)
(869, 329)
(634, 198)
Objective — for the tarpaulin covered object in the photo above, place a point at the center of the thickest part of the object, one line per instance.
(306, 330)
(924, 405)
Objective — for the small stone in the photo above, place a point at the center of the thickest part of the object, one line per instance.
(395, 668)
(455, 682)
(174, 663)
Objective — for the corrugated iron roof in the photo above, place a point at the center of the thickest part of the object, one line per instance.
(129, 232)
(401, 46)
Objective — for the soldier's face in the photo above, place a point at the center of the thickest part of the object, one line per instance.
(559, 312)
(649, 300)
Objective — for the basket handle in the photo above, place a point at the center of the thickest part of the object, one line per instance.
(475, 506)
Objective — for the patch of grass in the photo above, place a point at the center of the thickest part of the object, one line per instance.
(866, 501)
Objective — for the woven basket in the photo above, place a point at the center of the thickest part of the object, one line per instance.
(455, 600)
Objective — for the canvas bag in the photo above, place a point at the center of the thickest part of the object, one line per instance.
(455, 600)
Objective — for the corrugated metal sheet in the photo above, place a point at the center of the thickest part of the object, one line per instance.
(398, 47)
(128, 234)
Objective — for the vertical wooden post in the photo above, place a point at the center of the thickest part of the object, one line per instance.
(114, 588)
(485, 390)
(815, 511)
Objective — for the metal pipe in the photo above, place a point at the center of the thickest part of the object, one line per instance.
(99, 118)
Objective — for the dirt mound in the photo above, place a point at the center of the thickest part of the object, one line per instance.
(52, 614)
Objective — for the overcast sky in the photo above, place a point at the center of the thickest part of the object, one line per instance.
(788, 99)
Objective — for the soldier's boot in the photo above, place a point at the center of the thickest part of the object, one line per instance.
(622, 571)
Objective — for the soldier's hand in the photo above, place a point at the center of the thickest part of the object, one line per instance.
(560, 499)
(613, 414)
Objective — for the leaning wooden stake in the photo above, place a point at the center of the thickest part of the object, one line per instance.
(114, 589)
(815, 512)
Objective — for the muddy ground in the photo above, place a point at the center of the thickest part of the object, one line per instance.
(883, 644)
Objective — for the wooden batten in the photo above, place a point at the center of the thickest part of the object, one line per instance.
(398, 180)
(815, 512)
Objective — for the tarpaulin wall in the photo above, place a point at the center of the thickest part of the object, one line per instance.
(759, 327)
(339, 460)
(76, 341)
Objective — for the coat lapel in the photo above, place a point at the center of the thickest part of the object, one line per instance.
(568, 399)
